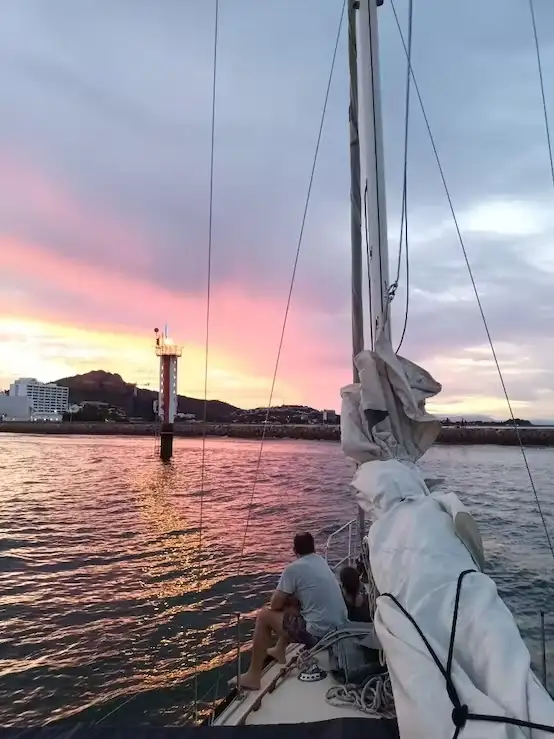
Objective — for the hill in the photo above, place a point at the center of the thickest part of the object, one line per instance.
(106, 387)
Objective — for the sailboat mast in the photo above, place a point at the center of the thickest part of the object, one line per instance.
(355, 195)
(372, 174)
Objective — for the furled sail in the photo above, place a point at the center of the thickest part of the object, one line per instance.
(420, 544)
(383, 416)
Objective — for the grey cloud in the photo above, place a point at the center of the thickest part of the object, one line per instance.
(113, 99)
(92, 134)
(516, 298)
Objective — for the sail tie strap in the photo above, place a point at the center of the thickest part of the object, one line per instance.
(460, 712)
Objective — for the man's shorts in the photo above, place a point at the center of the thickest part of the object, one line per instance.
(294, 627)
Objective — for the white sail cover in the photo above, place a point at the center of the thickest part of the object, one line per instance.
(419, 544)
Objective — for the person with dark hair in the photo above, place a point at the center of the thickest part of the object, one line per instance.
(355, 596)
(303, 544)
(307, 582)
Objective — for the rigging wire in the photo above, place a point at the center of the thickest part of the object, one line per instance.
(208, 297)
(209, 281)
(474, 284)
(292, 281)
(541, 79)
(404, 212)
(368, 262)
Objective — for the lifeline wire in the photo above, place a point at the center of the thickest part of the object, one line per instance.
(474, 286)
(293, 277)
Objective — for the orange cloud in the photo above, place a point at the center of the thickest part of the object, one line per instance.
(47, 350)
(104, 320)
(103, 317)
(76, 289)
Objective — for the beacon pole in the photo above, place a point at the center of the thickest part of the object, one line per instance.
(169, 354)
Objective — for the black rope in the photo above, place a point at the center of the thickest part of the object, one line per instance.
(460, 712)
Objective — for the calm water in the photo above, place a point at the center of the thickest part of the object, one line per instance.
(107, 606)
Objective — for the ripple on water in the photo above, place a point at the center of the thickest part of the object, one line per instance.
(108, 606)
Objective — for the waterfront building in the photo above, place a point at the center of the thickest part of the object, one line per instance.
(45, 397)
(15, 408)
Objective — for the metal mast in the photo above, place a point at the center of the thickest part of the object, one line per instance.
(355, 194)
(367, 175)
(372, 174)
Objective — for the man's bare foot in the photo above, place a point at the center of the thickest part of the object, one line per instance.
(277, 654)
(247, 681)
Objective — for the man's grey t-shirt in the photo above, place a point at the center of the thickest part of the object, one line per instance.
(311, 580)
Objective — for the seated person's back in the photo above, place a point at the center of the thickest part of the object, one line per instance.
(312, 581)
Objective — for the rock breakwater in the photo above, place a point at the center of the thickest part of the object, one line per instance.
(504, 435)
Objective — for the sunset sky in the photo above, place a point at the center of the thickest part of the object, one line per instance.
(105, 110)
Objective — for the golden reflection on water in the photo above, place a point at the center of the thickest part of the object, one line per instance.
(156, 490)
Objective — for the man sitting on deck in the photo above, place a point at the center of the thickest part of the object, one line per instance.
(310, 580)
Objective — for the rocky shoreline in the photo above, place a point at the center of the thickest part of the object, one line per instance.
(503, 435)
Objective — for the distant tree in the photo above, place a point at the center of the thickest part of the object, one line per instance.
(91, 414)
(518, 422)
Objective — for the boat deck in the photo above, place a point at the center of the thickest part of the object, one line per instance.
(292, 701)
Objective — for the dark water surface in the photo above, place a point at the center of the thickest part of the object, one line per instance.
(107, 605)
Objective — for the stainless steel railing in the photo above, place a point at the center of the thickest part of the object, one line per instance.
(345, 540)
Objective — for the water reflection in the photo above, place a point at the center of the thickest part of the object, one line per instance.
(104, 617)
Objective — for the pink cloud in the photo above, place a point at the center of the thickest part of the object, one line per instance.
(31, 195)
(244, 328)
(81, 288)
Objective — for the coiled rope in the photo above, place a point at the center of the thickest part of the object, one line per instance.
(374, 697)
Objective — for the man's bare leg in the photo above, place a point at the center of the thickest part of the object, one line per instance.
(278, 652)
(266, 622)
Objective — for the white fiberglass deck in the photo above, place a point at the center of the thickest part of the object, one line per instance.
(291, 702)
